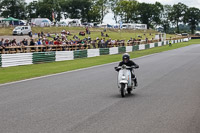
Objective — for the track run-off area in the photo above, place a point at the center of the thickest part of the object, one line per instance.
(167, 99)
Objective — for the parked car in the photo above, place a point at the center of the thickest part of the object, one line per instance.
(22, 30)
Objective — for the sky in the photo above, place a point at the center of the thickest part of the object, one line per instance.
(190, 3)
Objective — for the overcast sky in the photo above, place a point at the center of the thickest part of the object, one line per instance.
(190, 3)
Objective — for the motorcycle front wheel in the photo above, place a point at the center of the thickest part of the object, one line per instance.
(123, 90)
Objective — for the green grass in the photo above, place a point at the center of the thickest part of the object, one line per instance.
(24, 72)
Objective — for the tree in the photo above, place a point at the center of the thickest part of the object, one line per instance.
(165, 22)
(102, 5)
(157, 13)
(13, 8)
(127, 10)
(149, 14)
(177, 14)
(45, 9)
(192, 17)
(31, 9)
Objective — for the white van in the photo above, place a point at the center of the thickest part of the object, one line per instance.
(22, 30)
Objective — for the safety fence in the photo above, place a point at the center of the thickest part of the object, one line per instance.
(7, 60)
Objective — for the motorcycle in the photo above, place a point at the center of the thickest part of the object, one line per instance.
(125, 82)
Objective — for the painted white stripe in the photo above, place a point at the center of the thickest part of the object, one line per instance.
(93, 52)
(152, 45)
(142, 46)
(129, 48)
(113, 50)
(64, 55)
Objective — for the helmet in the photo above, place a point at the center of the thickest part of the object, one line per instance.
(125, 57)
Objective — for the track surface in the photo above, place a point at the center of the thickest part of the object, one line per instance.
(88, 101)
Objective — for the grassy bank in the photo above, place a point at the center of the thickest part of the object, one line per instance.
(95, 32)
(24, 72)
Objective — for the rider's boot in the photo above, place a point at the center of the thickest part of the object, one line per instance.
(135, 82)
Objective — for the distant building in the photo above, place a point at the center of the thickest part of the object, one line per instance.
(134, 26)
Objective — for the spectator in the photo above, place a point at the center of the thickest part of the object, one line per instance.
(39, 42)
(104, 30)
(32, 43)
(102, 34)
(86, 30)
(106, 43)
(30, 34)
(42, 34)
(25, 42)
(89, 38)
(99, 43)
(93, 43)
(2, 45)
(146, 40)
(13, 42)
(38, 35)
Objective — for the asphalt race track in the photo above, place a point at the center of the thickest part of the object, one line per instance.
(167, 99)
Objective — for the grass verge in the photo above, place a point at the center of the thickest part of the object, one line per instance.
(24, 72)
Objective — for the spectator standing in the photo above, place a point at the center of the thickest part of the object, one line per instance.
(2, 45)
(30, 34)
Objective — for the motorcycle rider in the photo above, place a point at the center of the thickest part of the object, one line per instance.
(126, 61)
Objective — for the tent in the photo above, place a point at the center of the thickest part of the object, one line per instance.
(10, 19)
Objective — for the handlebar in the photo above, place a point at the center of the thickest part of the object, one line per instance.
(127, 67)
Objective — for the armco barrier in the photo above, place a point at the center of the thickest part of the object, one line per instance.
(122, 49)
(159, 44)
(135, 47)
(156, 44)
(147, 46)
(129, 48)
(80, 54)
(8, 60)
(141, 46)
(113, 50)
(93, 52)
(64, 55)
(152, 45)
(41, 57)
(104, 51)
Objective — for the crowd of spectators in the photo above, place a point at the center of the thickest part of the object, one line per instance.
(63, 39)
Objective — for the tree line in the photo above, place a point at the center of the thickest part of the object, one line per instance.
(127, 11)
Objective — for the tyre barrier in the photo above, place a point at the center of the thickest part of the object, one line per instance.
(7, 60)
